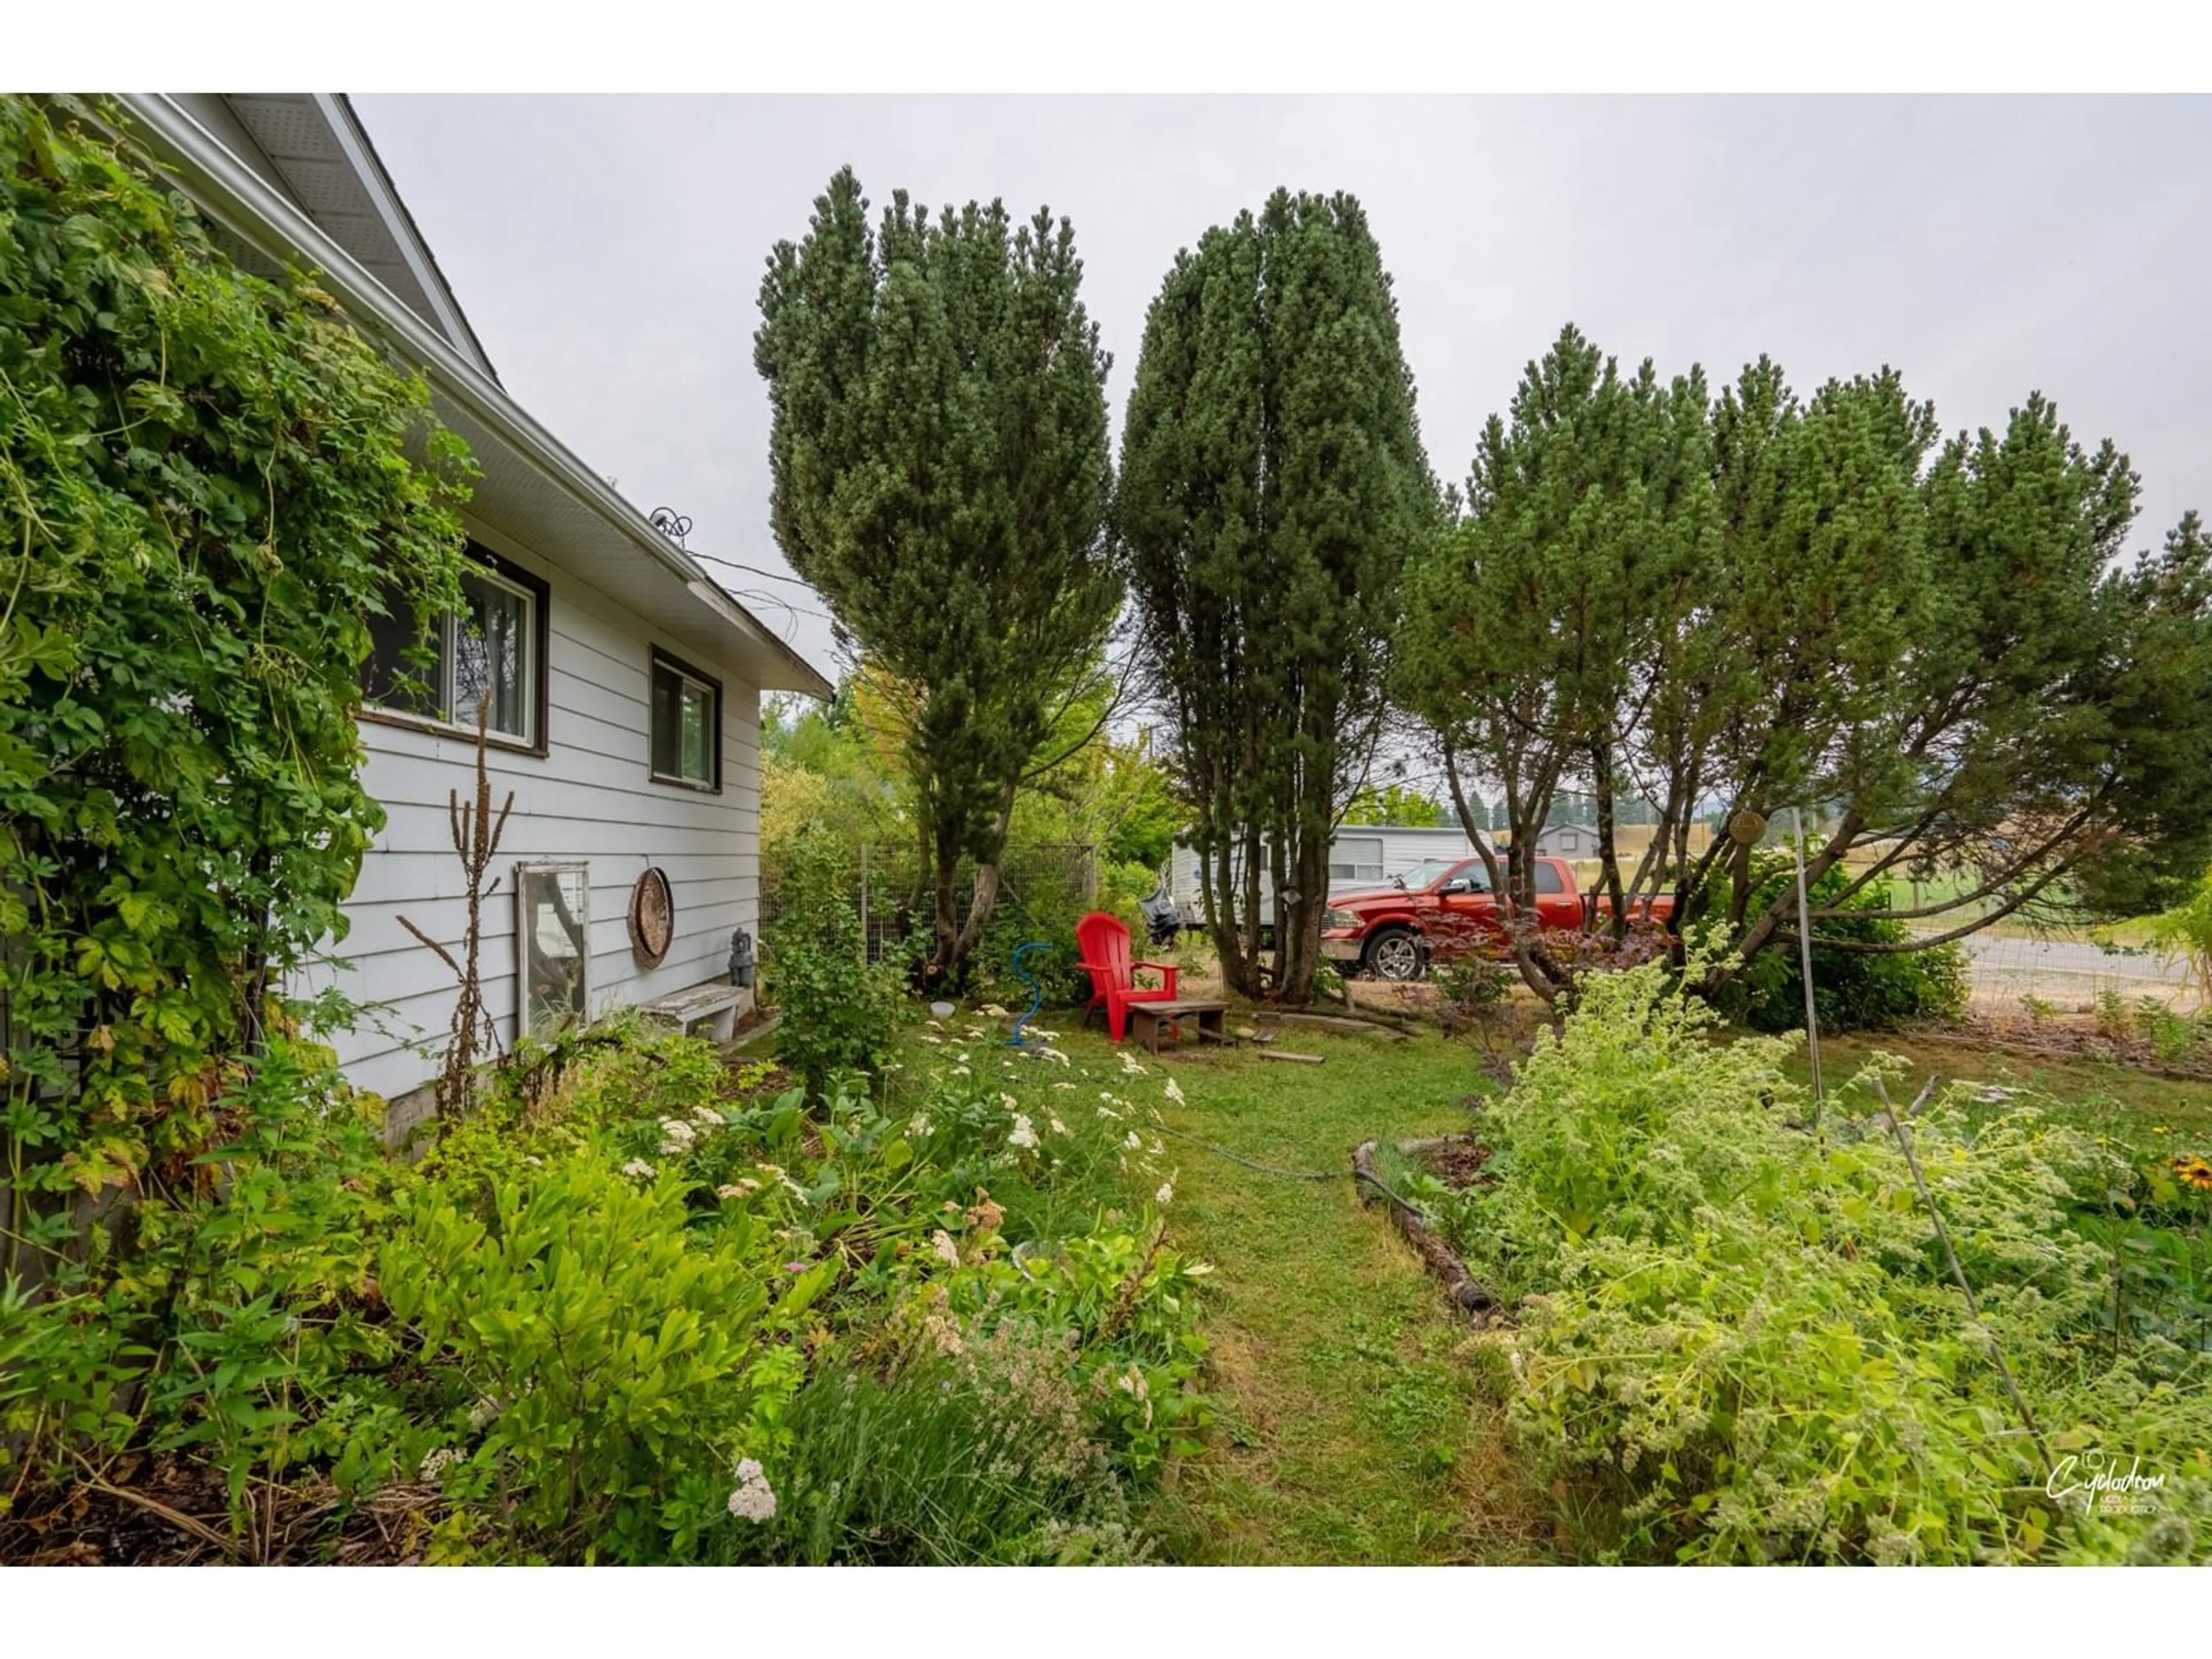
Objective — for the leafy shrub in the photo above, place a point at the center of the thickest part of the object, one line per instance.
(991, 973)
(238, 1313)
(2173, 1037)
(2186, 930)
(608, 1356)
(1743, 1341)
(637, 1309)
(838, 1012)
(2114, 1020)
(1852, 990)
(643, 1310)
(68, 1367)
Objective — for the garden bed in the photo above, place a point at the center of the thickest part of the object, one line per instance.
(1736, 1339)
(646, 1304)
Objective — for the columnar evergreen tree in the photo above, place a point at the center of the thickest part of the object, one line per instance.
(1274, 486)
(941, 476)
(1942, 655)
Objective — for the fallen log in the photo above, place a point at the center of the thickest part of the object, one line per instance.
(1466, 1293)
(1285, 1053)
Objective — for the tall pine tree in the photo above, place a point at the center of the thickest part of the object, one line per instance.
(941, 476)
(1273, 485)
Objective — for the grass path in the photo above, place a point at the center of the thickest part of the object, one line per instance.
(1355, 1426)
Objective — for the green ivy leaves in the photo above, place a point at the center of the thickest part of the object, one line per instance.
(207, 482)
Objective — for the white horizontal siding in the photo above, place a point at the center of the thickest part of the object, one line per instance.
(1402, 848)
(589, 799)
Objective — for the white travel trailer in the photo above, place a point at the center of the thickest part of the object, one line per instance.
(1360, 855)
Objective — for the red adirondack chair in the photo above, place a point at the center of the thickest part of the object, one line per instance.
(1102, 941)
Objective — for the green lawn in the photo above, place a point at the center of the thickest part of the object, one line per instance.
(1905, 893)
(2137, 1109)
(1353, 1425)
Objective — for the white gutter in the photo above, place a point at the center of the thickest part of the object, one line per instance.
(252, 208)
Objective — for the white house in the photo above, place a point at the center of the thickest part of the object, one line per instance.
(624, 684)
(1568, 841)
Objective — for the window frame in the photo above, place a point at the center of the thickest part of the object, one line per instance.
(537, 697)
(1355, 870)
(658, 660)
(527, 954)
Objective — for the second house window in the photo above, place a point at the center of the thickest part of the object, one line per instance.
(687, 725)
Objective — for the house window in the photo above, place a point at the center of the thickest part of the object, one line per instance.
(490, 657)
(1356, 858)
(687, 725)
(553, 932)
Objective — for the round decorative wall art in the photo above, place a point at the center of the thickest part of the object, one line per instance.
(652, 918)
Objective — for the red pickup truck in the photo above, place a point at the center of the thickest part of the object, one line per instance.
(1385, 932)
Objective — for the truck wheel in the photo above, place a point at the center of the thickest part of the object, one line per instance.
(1395, 953)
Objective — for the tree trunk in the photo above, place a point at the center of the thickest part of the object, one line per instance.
(983, 901)
(1278, 869)
(1608, 863)
(1506, 880)
(1237, 929)
(1298, 934)
(956, 941)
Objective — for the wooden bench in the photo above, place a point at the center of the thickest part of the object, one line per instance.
(1148, 1017)
(688, 1010)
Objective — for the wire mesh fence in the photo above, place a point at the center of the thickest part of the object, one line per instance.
(2010, 971)
(2012, 967)
(1048, 882)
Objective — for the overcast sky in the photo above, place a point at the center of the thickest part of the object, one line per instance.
(609, 250)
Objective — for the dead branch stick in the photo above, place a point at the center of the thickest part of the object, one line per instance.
(475, 834)
(177, 1518)
(1358, 1024)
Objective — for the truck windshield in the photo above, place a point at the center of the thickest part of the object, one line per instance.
(1428, 872)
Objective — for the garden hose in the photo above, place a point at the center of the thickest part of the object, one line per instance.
(1293, 1174)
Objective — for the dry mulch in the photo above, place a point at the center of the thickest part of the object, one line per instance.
(2067, 1039)
(170, 1511)
(1457, 1161)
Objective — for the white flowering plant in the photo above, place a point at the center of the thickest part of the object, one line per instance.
(1740, 1337)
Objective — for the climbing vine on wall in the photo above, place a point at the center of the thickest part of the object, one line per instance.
(209, 481)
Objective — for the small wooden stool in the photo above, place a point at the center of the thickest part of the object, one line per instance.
(1154, 1015)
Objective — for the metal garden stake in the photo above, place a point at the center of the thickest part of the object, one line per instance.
(1805, 962)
